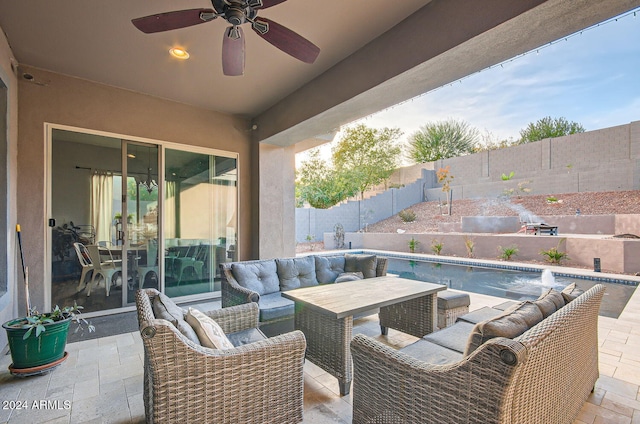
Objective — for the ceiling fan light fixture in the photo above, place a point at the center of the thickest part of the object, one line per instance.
(234, 33)
(179, 53)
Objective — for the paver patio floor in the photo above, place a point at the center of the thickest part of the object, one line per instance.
(101, 381)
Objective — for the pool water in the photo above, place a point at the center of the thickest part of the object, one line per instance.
(515, 285)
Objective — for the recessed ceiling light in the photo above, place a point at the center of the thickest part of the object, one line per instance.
(179, 53)
(131, 155)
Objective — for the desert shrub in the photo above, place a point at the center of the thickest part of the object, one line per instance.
(407, 215)
(554, 256)
(469, 243)
(508, 252)
(413, 245)
(436, 246)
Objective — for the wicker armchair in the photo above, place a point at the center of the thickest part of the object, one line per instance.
(543, 376)
(260, 382)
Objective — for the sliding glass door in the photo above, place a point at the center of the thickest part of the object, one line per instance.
(200, 220)
(119, 224)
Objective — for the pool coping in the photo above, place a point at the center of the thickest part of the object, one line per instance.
(580, 273)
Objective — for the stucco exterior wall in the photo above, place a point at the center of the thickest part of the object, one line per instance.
(616, 255)
(8, 300)
(63, 100)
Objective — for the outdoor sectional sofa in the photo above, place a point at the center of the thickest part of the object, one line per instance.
(262, 281)
(535, 362)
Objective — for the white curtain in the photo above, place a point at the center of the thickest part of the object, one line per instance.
(102, 204)
(224, 210)
(171, 194)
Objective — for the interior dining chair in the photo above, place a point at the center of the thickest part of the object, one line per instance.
(85, 261)
(190, 262)
(106, 269)
(151, 264)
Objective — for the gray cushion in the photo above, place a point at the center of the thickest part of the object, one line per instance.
(506, 305)
(366, 264)
(273, 307)
(261, 276)
(431, 353)
(448, 299)
(244, 337)
(296, 272)
(165, 308)
(571, 292)
(510, 324)
(454, 337)
(349, 276)
(479, 315)
(328, 268)
(549, 302)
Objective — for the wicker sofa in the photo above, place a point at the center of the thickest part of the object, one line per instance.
(259, 380)
(262, 281)
(463, 375)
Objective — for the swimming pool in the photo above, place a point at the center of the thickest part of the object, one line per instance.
(505, 283)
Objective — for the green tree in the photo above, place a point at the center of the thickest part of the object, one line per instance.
(442, 140)
(549, 127)
(367, 156)
(488, 142)
(319, 184)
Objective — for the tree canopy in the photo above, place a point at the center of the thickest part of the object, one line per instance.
(362, 158)
(367, 156)
(549, 127)
(319, 184)
(442, 140)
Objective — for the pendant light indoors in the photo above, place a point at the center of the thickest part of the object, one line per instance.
(149, 183)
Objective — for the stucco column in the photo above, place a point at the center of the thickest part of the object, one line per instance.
(275, 202)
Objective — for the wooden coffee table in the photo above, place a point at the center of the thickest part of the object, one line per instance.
(325, 316)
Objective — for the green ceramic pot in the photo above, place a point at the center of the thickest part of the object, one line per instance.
(36, 351)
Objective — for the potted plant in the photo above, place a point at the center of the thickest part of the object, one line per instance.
(37, 341)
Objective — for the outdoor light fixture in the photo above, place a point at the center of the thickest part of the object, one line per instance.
(179, 53)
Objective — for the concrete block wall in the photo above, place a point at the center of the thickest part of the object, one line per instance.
(601, 160)
(356, 215)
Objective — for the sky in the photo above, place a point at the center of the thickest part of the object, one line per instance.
(591, 77)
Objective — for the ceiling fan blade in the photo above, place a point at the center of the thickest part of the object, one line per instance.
(233, 52)
(286, 40)
(269, 3)
(172, 20)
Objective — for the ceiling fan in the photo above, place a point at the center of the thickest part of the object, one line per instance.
(236, 12)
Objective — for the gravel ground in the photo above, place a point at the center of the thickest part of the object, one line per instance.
(429, 214)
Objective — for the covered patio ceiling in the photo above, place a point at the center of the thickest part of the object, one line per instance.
(374, 53)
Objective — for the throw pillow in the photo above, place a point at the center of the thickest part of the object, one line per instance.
(328, 268)
(259, 276)
(209, 332)
(512, 323)
(349, 276)
(549, 302)
(296, 272)
(571, 292)
(366, 264)
(165, 308)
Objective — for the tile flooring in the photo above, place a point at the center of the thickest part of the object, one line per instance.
(101, 381)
